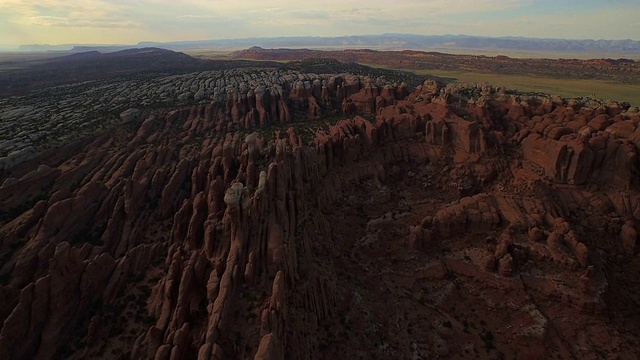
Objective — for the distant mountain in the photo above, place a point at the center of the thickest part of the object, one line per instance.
(71, 47)
(95, 65)
(101, 48)
(390, 41)
(408, 41)
(92, 64)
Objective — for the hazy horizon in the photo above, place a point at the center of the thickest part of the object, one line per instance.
(300, 37)
(101, 22)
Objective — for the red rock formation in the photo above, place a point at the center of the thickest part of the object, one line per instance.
(189, 239)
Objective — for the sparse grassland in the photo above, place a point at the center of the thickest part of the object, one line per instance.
(569, 88)
(563, 87)
(524, 54)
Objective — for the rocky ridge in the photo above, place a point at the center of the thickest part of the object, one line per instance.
(55, 116)
(455, 221)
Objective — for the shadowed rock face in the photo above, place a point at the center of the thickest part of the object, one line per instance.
(452, 221)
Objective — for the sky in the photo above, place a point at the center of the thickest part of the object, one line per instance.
(130, 21)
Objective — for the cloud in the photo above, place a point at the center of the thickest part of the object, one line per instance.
(130, 21)
(192, 16)
(106, 22)
(310, 14)
(55, 13)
